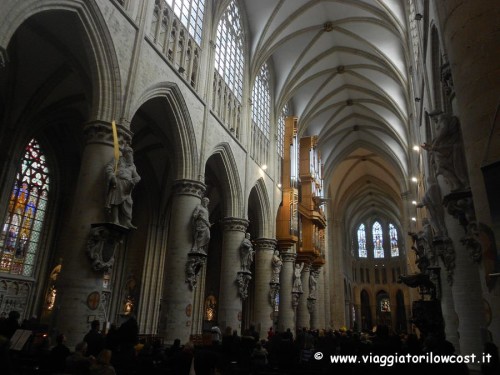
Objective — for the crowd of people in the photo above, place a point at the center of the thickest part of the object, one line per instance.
(122, 351)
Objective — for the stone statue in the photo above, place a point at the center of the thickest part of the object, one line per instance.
(433, 203)
(447, 152)
(297, 282)
(276, 264)
(313, 283)
(423, 246)
(246, 253)
(201, 227)
(121, 182)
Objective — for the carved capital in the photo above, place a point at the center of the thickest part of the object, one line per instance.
(102, 132)
(288, 257)
(235, 224)
(265, 244)
(189, 187)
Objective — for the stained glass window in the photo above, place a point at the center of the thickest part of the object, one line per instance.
(362, 242)
(229, 50)
(22, 226)
(378, 240)
(393, 234)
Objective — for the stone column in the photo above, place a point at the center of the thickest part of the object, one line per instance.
(263, 305)
(286, 314)
(336, 272)
(319, 320)
(230, 303)
(79, 286)
(315, 290)
(303, 309)
(444, 248)
(177, 294)
(466, 284)
(472, 72)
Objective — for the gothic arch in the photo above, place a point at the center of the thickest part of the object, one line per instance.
(186, 154)
(228, 175)
(106, 94)
(259, 201)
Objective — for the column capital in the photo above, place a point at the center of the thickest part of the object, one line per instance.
(288, 256)
(265, 244)
(189, 187)
(98, 131)
(235, 224)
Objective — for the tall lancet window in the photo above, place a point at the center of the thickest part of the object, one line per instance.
(261, 101)
(229, 50)
(393, 234)
(362, 253)
(22, 226)
(261, 107)
(378, 240)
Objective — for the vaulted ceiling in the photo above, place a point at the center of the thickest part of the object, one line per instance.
(342, 66)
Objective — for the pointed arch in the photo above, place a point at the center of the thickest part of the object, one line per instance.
(230, 179)
(186, 155)
(107, 93)
(258, 201)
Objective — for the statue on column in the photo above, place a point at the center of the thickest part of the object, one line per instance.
(297, 282)
(246, 253)
(276, 265)
(433, 203)
(246, 257)
(313, 283)
(122, 177)
(422, 245)
(201, 227)
(447, 151)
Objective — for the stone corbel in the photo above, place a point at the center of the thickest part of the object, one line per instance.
(274, 289)
(445, 250)
(447, 79)
(196, 260)
(471, 242)
(104, 239)
(295, 299)
(242, 280)
(461, 206)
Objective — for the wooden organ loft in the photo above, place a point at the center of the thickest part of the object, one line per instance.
(301, 220)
